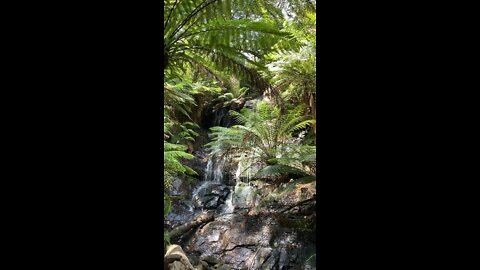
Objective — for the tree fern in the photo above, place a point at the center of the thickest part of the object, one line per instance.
(226, 33)
(279, 169)
(267, 139)
(292, 72)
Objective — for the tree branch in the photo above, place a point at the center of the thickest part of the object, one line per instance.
(298, 204)
(178, 231)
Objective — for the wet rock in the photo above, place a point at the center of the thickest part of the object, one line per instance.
(243, 196)
(200, 241)
(271, 261)
(210, 195)
(212, 203)
(221, 192)
(282, 259)
(197, 163)
(182, 211)
(240, 241)
(261, 256)
(237, 257)
(176, 187)
(251, 235)
(211, 260)
(214, 236)
(230, 180)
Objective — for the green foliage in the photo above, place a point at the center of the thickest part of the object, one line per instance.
(278, 169)
(172, 166)
(179, 94)
(292, 72)
(167, 205)
(213, 45)
(167, 208)
(172, 154)
(166, 238)
(227, 35)
(265, 136)
(184, 133)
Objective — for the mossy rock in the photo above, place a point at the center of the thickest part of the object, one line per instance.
(212, 260)
(202, 265)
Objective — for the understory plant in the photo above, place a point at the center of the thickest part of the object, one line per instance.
(264, 142)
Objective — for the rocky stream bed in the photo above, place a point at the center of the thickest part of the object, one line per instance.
(220, 221)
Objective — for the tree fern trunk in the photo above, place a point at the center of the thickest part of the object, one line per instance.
(165, 60)
(197, 111)
(313, 109)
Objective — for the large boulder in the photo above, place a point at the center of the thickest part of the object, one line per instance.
(175, 259)
(243, 196)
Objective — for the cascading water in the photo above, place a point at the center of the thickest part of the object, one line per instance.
(241, 236)
(239, 170)
(212, 193)
(228, 207)
(209, 170)
(218, 173)
(221, 118)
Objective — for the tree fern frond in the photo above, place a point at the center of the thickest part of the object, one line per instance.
(177, 154)
(302, 125)
(238, 117)
(278, 169)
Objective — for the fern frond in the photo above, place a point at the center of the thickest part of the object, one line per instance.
(278, 169)
(302, 125)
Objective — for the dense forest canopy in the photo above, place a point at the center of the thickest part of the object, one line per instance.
(254, 60)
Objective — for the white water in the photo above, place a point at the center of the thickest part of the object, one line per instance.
(208, 171)
(200, 187)
(214, 172)
(206, 182)
(239, 170)
(228, 207)
(219, 170)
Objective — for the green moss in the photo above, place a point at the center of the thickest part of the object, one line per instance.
(212, 260)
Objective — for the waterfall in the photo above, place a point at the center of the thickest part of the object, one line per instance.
(221, 118)
(209, 170)
(219, 170)
(214, 173)
(239, 170)
(215, 169)
(228, 207)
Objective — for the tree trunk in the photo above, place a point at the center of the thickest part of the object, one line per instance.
(197, 111)
(277, 98)
(180, 230)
